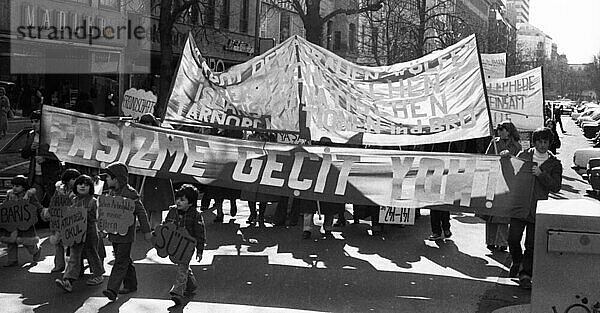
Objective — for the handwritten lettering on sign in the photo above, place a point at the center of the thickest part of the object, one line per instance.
(17, 215)
(396, 215)
(58, 204)
(175, 243)
(73, 225)
(115, 214)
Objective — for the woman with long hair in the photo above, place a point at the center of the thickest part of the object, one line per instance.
(505, 144)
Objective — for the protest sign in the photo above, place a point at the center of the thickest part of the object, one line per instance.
(301, 87)
(452, 181)
(175, 243)
(115, 214)
(17, 215)
(396, 215)
(58, 204)
(137, 102)
(73, 225)
(494, 65)
(519, 99)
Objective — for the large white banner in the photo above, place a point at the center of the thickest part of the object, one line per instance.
(494, 65)
(519, 99)
(301, 87)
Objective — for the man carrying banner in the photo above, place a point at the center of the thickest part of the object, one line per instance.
(547, 172)
(123, 271)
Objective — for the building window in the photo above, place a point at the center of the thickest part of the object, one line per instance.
(284, 26)
(362, 36)
(209, 14)
(113, 4)
(88, 2)
(337, 40)
(352, 37)
(329, 32)
(374, 35)
(244, 14)
(225, 14)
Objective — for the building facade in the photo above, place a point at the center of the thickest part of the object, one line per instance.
(518, 11)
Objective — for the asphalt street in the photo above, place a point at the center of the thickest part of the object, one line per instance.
(272, 269)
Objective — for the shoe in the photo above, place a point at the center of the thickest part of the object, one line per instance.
(306, 234)
(514, 270)
(327, 234)
(501, 248)
(233, 211)
(64, 284)
(111, 295)
(492, 248)
(261, 224)
(218, 219)
(11, 264)
(356, 221)
(447, 233)
(95, 281)
(57, 270)
(124, 291)
(435, 237)
(525, 281)
(177, 299)
(251, 219)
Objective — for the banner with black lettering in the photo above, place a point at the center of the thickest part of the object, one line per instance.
(256, 94)
(519, 99)
(494, 65)
(448, 181)
(301, 87)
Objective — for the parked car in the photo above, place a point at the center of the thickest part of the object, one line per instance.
(11, 162)
(582, 156)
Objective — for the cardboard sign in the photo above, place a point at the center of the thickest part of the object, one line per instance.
(73, 225)
(138, 102)
(58, 204)
(175, 243)
(396, 215)
(17, 215)
(115, 214)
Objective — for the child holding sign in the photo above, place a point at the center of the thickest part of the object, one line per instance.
(186, 218)
(28, 238)
(123, 272)
(84, 197)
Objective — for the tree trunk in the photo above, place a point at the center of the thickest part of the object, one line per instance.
(166, 57)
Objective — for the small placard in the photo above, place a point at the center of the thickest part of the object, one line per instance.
(396, 215)
(175, 243)
(73, 225)
(58, 204)
(115, 214)
(17, 215)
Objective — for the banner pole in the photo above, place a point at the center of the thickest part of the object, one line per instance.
(487, 103)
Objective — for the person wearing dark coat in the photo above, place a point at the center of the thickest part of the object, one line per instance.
(547, 173)
(84, 105)
(505, 145)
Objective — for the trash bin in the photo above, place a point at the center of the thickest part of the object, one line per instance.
(566, 261)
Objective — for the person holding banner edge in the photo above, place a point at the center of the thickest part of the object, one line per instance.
(123, 271)
(505, 145)
(547, 173)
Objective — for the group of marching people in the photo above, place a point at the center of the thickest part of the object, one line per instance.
(501, 232)
(80, 189)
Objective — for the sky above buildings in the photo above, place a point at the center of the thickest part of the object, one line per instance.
(574, 26)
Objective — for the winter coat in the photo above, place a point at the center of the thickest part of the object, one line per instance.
(192, 221)
(25, 237)
(157, 194)
(139, 212)
(51, 167)
(550, 180)
(91, 205)
(514, 147)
